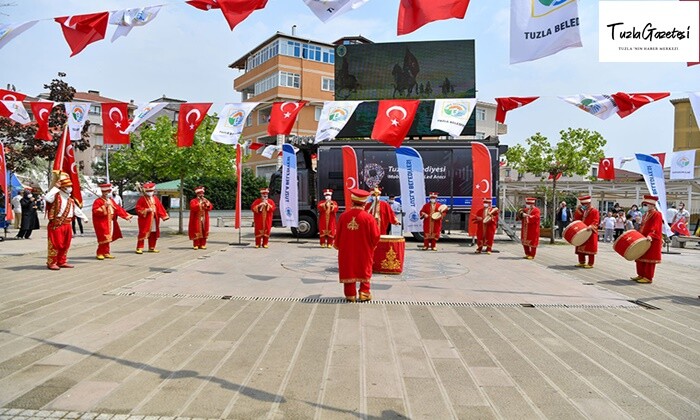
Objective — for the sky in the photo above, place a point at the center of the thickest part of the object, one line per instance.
(184, 53)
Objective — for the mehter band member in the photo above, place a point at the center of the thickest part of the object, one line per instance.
(590, 216)
(327, 211)
(432, 214)
(487, 222)
(263, 208)
(61, 211)
(104, 217)
(530, 233)
(150, 212)
(652, 228)
(198, 229)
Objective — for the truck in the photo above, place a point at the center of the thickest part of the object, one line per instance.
(447, 168)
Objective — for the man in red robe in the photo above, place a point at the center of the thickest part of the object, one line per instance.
(104, 217)
(590, 216)
(381, 211)
(150, 212)
(61, 210)
(327, 211)
(487, 222)
(652, 228)
(530, 232)
(198, 228)
(263, 208)
(355, 240)
(432, 213)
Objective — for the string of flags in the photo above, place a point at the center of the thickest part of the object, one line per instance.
(392, 122)
(531, 35)
(682, 165)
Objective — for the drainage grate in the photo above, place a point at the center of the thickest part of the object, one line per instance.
(385, 302)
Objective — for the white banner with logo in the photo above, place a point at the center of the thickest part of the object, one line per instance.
(334, 116)
(683, 165)
(77, 113)
(143, 113)
(653, 174)
(412, 180)
(451, 115)
(289, 200)
(231, 122)
(541, 28)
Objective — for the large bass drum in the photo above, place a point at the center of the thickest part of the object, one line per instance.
(389, 255)
(631, 245)
(576, 233)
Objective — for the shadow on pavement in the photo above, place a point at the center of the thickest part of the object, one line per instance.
(163, 373)
(563, 267)
(386, 414)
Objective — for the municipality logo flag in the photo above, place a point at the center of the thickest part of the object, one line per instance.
(289, 201)
(143, 114)
(683, 165)
(232, 120)
(334, 116)
(539, 28)
(451, 115)
(77, 114)
(412, 181)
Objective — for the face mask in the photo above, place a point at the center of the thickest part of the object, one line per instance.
(583, 206)
(328, 197)
(644, 209)
(150, 193)
(432, 200)
(69, 190)
(30, 196)
(486, 205)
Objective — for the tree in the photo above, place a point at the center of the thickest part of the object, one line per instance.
(154, 156)
(573, 155)
(22, 149)
(221, 191)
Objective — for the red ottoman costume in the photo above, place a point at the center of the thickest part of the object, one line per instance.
(530, 232)
(150, 212)
(431, 227)
(327, 211)
(487, 221)
(381, 212)
(60, 211)
(104, 217)
(356, 238)
(652, 228)
(590, 217)
(263, 208)
(198, 228)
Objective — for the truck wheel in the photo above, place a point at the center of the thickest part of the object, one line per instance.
(307, 227)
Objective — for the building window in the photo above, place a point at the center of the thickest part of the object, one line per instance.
(262, 56)
(480, 114)
(95, 110)
(264, 116)
(480, 135)
(289, 79)
(317, 113)
(328, 84)
(307, 51)
(594, 172)
(266, 84)
(508, 173)
(249, 120)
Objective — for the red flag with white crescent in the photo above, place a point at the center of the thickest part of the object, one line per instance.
(115, 119)
(41, 111)
(5, 184)
(482, 185)
(631, 102)
(681, 227)
(191, 116)
(65, 162)
(661, 157)
(10, 95)
(282, 117)
(394, 120)
(239, 185)
(350, 179)
(606, 169)
(82, 30)
(509, 104)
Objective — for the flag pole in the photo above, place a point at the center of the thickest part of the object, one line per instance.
(239, 196)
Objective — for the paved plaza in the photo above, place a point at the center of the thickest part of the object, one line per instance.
(239, 332)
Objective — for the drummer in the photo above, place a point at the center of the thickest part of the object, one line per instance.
(530, 228)
(486, 221)
(432, 213)
(590, 216)
(652, 228)
(381, 211)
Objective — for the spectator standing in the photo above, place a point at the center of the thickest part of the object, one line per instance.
(608, 224)
(671, 214)
(30, 220)
(636, 216)
(629, 224)
(563, 218)
(17, 208)
(681, 214)
(619, 223)
(117, 199)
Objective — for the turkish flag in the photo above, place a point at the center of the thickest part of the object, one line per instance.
(482, 184)
(350, 178)
(555, 178)
(82, 30)
(191, 116)
(510, 103)
(282, 117)
(114, 122)
(394, 119)
(415, 13)
(255, 146)
(235, 11)
(661, 157)
(65, 162)
(606, 169)
(4, 184)
(628, 103)
(41, 111)
(680, 227)
(9, 95)
(204, 4)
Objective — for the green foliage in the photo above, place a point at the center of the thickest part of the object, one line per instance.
(22, 149)
(154, 155)
(222, 191)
